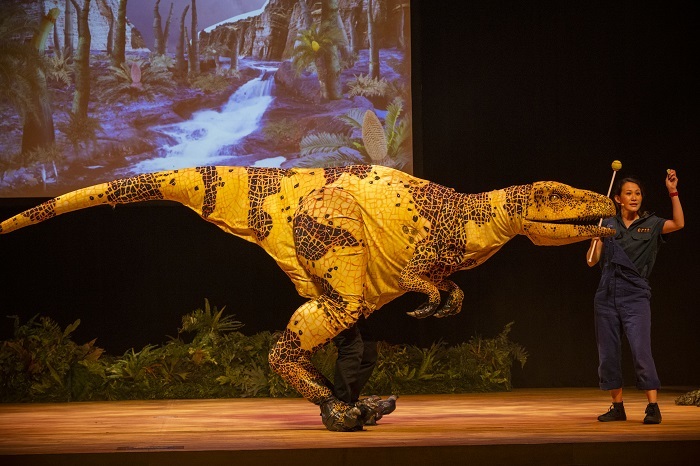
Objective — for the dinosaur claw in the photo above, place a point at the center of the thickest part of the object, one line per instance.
(447, 311)
(424, 310)
(352, 419)
(341, 417)
(374, 408)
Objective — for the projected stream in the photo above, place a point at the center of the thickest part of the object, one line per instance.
(206, 138)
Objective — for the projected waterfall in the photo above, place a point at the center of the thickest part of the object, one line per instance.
(208, 136)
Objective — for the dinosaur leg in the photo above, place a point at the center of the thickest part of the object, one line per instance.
(330, 244)
(309, 329)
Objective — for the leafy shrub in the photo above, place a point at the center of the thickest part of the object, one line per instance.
(285, 131)
(211, 83)
(367, 86)
(79, 130)
(41, 363)
(136, 81)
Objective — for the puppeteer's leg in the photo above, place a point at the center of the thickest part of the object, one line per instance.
(350, 345)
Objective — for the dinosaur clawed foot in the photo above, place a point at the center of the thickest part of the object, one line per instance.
(343, 417)
(374, 408)
(340, 417)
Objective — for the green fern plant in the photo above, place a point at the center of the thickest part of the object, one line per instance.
(81, 131)
(60, 67)
(211, 83)
(208, 324)
(492, 358)
(365, 85)
(285, 131)
(336, 149)
(246, 371)
(42, 362)
(135, 375)
(175, 362)
(324, 143)
(135, 81)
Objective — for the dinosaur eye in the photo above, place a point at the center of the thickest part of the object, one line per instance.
(554, 198)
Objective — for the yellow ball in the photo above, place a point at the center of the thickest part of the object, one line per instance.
(616, 165)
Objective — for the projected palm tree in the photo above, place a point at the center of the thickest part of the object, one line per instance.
(22, 76)
(314, 49)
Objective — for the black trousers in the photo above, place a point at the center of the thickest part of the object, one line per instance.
(357, 356)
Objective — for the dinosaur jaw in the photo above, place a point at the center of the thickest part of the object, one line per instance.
(557, 214)
(558, 234)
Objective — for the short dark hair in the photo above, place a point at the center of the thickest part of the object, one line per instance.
(618, 190)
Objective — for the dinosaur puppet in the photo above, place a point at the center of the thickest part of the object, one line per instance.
(352, 239)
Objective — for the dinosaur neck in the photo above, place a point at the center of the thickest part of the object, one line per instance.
(508, 205)
(487, 221)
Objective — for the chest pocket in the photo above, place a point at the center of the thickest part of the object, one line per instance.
(642, 238)
(641, 234)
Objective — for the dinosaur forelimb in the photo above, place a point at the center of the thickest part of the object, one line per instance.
(453, 304)
(411, 280)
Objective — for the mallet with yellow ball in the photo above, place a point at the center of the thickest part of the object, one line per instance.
(616, 166)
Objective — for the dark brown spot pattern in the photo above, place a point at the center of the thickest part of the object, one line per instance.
(42, 212)
(288, 359)
(332, 174)
(262, 183)
(517, 198)
(145, 187)
(212, 182)
(314, 239)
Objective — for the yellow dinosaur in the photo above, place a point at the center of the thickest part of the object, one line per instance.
(352, 239)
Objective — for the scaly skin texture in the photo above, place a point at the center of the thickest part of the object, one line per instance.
(352, 239)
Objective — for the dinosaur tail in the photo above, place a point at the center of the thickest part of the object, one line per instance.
(177, 185)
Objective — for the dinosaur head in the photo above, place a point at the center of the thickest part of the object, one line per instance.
(556, 214)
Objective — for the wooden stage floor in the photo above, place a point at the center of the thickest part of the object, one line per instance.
(533, 426)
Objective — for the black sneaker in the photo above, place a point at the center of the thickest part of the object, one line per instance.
(615, 413)
(653, 414)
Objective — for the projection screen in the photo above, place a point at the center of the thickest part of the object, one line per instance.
(185, 83)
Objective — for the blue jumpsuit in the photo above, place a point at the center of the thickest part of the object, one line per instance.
(622, 301)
